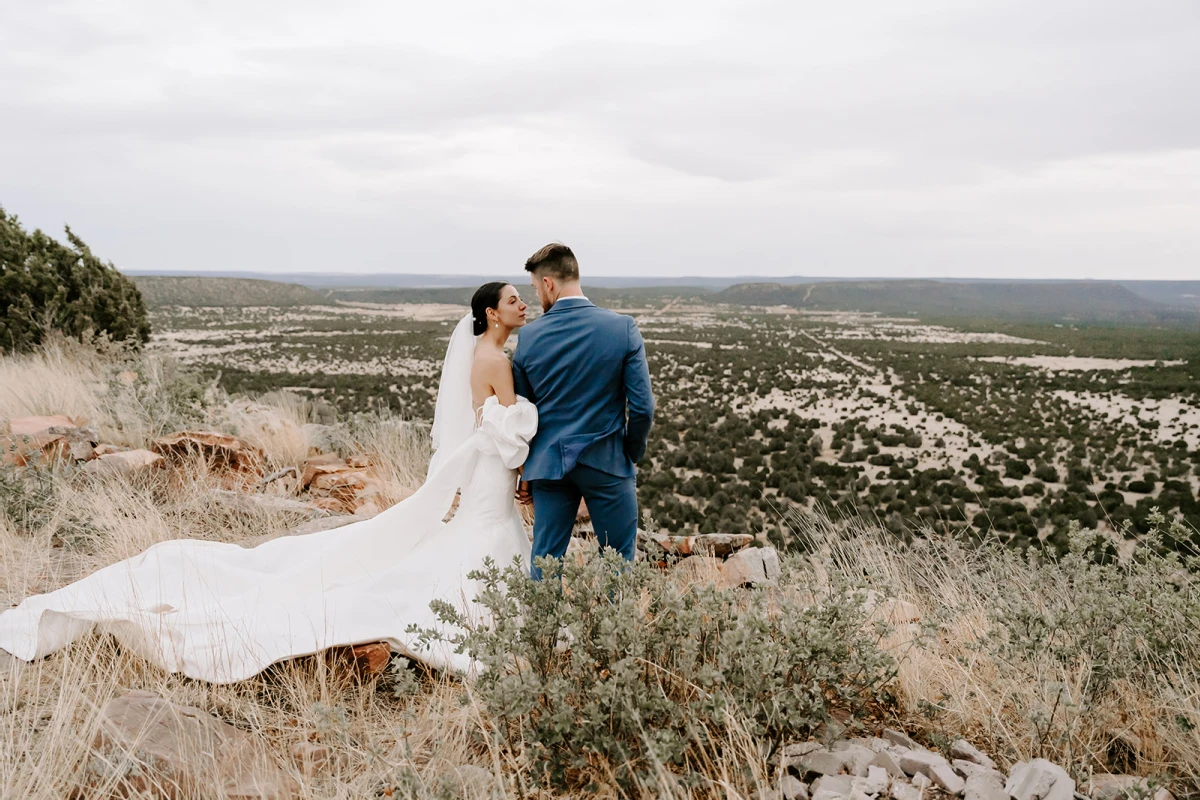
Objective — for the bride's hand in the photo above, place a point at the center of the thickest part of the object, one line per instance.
(524, 494)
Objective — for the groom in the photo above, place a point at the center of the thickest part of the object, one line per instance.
(583, 367)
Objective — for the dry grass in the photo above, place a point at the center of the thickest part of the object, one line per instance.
(952, 684)
(413, 744)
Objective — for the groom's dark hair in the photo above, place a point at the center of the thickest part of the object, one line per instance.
(554, 259)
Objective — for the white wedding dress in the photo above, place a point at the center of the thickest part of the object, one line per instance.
(222, 613)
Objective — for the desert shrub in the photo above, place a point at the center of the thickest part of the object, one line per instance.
(659, 674)
(47, 286)
(28, 496)
(1123, 624)
(1046, 473)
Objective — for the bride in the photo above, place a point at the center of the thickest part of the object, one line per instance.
(222, 613)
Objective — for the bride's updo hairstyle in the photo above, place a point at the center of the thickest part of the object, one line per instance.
(486, 296)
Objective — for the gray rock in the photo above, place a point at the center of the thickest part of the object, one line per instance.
(889, 763)
(969, 768)
(792, 788)
(875, 782)
(921, 782)
(831, 787)
(797, 749)
(920, 762)
(1039, 779)
(770, 559)
(858, 757)
(899, 738)
(983, 787)
(822, 762)
(945, 776)
(962, 749)
(751, 567)
(904, 791)
(145, 744)
(790, 754)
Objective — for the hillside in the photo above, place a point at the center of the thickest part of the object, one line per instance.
(1183, 294)
(160, 291)
(614, 297)
(1050, 301)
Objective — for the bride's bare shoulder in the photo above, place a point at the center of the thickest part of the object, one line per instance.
(491, 361)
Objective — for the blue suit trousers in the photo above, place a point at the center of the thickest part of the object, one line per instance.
(611, 501)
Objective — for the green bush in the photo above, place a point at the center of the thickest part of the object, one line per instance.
(658, 675)
(47, 286)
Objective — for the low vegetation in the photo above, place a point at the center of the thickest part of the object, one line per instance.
(662, 685)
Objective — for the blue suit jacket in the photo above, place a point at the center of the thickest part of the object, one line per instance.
(583, 367)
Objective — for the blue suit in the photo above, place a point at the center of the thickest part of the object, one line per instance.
(585, 369)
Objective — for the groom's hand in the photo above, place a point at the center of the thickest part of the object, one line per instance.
(524, 494)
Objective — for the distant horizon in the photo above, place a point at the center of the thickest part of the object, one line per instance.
(425, 278)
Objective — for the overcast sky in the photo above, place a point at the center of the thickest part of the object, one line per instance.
(997, 138)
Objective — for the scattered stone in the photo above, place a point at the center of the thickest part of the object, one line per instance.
(314, 759)
(889, 763)
(127, 377)
(822, 762)
(346, 486)
(25, 449)
(904, 791)
(126, 462)
(920, 762)
(969, 769)
(920, 782)
(150, 747)
(962, 749)
(945, 777)
(858, 757)
(719, 545)
(1111, 787)
(983, 787)
(831, 787)
(792, 788)
(321, 464)
(1039, 779)
(875, 782)
(218, 449)
(899, 738)
(81, 441)
(797, 749)
(751, 567)
(371, 659)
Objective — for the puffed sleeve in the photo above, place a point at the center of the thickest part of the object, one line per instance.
(510, 428)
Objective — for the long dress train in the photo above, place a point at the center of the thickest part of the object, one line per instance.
(222, 613)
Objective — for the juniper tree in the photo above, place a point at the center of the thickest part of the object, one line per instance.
(49, 286)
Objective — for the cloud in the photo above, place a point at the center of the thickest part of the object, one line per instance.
(1006, 137)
